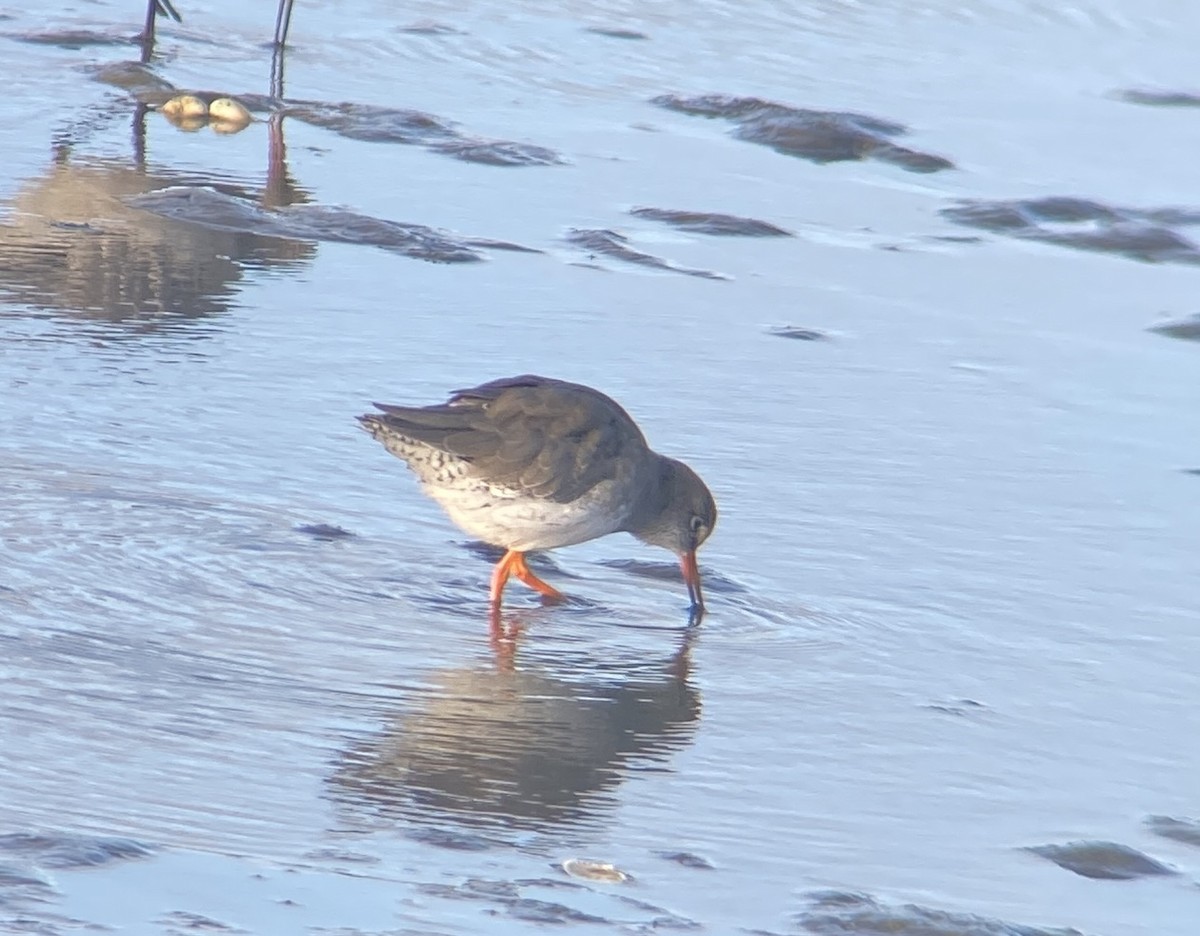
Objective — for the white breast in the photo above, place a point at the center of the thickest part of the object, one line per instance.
(515, 520)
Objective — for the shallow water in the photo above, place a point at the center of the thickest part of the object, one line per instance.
(247, 678)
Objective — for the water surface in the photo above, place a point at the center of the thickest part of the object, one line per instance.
(247, 677)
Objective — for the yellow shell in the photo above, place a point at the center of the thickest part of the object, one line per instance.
(594, 870)
(185, 106)
(228, 111)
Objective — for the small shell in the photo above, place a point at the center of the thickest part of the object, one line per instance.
(231, 112)
(594, 870)
(184, 106)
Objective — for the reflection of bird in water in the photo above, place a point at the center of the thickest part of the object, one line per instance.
(520, 748)
(73, 242)
(72, 245)
(157, 8)
(283, 22)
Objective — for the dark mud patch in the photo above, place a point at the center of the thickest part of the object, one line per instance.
(76, 39)
(1187, 328)
(21, 884)
(217, 210)
(956, 238)
(798, 333)
(22, 889)
(474, 889)
(133, 77)
(548, 911)
(960, 708)
(182, 921)
(13, 876)
(611, 244)
(1107, 861)
(498, 152)
(375, 124)
(688, 860)
(1153, 98)
(342, 856)
(365, 122)
(1149, 235)
(707, 222)
(815, 135)
(837, 913)
(616, 32)
(531, 910)
(658, 918)
(550, 902)
(431, 28)
(325, 532)
(1178, 830)
(453, 840)
(372, 123)
(65, 851)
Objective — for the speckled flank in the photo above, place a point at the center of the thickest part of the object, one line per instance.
(502, 514)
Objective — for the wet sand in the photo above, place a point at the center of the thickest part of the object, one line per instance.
(947, 680)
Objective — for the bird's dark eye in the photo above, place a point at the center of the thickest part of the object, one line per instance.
(696, 523)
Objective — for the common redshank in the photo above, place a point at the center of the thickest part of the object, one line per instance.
(535, 463)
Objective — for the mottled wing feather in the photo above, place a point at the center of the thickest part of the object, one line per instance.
(543, 437)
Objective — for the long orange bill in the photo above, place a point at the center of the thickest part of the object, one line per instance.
(691, 575)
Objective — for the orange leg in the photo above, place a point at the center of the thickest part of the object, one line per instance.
(513, 563)
(504, 640)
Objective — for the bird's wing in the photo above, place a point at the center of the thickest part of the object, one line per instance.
(547, 438)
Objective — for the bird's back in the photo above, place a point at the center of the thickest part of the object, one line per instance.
(534, 436)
